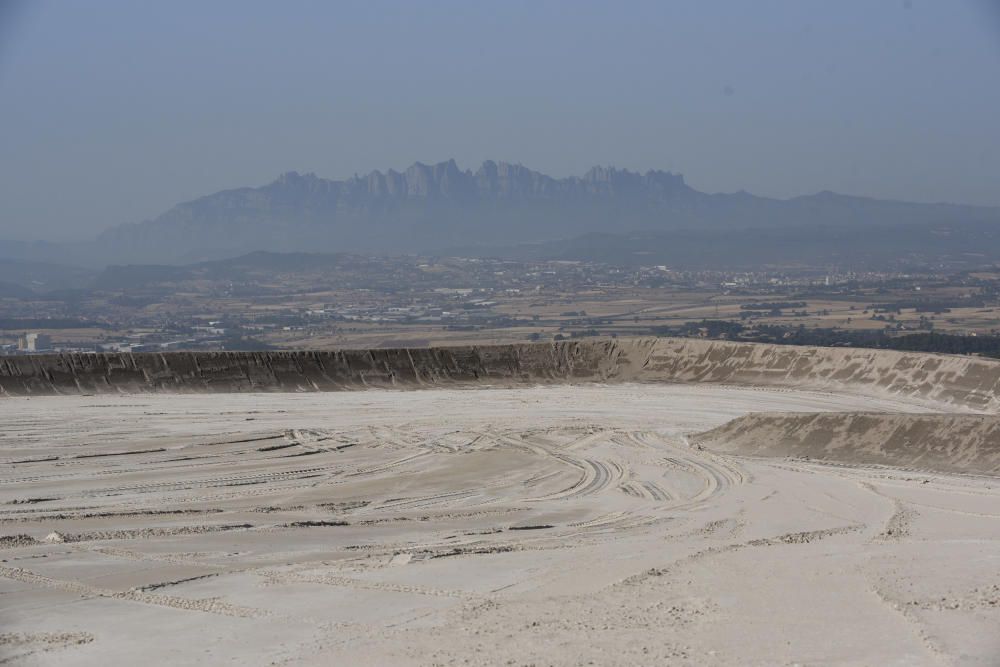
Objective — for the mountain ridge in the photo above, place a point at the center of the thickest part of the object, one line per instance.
(430, 207)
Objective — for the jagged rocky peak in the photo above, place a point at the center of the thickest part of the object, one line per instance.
(292, 182)
(614, 179)
(419, 181)
(504, 180)
(441, 179)
(654, 176)
(294, 178)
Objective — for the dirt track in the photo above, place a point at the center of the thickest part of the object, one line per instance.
(559, 524)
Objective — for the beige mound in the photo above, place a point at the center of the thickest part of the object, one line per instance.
(946, 443)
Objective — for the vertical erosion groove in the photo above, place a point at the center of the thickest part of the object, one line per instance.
(969, 381)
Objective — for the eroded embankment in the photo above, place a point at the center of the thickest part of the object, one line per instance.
(944, 443)
(314, 370)
(971, 382)
(954, 380)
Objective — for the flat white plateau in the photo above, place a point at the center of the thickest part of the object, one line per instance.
(551, 525)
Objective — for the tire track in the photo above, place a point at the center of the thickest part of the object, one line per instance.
(206, 605)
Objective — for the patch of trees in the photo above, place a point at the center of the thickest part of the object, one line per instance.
(928, 305)
(987, 346)
(705, 328)
(587, 333)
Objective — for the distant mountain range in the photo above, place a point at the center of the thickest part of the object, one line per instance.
(429, 208)
(941, 247)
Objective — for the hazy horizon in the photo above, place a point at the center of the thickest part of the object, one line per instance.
(114, 112)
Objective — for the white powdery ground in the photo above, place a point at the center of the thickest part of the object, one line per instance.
(555, 525)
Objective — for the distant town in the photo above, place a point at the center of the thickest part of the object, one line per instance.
(298, 300)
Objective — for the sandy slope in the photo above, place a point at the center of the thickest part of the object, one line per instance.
(556, 525)
(942, 443)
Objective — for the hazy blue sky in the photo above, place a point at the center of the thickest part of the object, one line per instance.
(113, 110)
